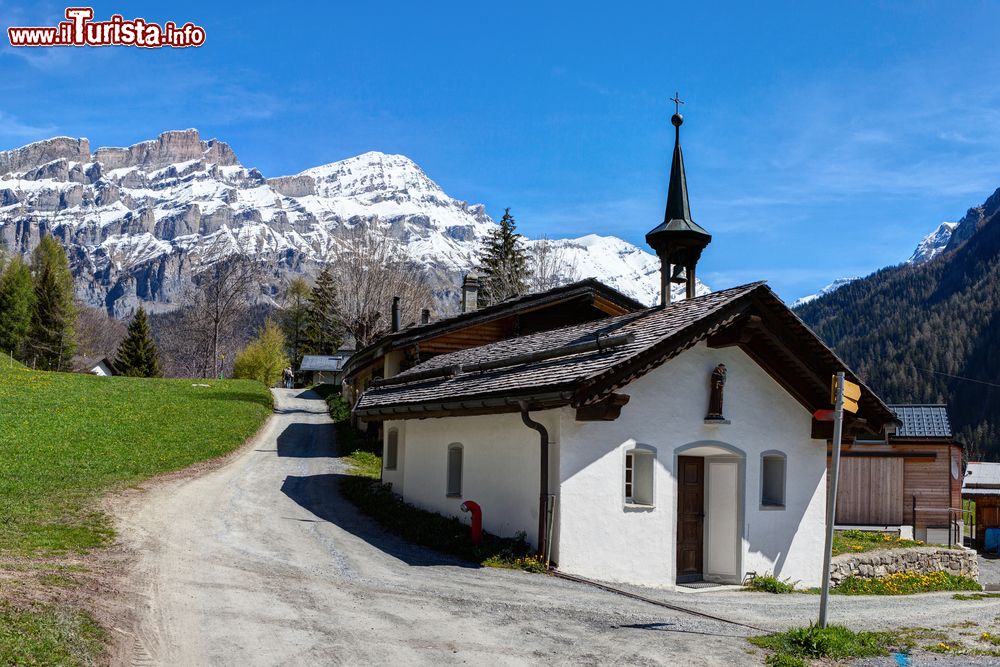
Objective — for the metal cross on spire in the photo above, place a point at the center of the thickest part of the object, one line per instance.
(676, 99)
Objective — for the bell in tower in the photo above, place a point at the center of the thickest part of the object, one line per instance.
(678, 242)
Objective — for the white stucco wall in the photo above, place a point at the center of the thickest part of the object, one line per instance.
(596, 534)
(500, 467)
(600, 537)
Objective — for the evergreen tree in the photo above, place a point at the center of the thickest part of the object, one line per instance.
(294, 316)
(51, 341)
(324, 330)
(503, 262)
(137, 356)
(264, 358)
(17, 301)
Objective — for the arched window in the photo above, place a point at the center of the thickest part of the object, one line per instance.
(455, 470)
(391, 449)
(639, 466)
(772, 480)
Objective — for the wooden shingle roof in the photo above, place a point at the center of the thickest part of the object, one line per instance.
(654, 336)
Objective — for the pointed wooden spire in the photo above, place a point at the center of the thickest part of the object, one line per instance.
(679, 240)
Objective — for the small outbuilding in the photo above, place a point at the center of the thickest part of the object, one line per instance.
(100, 366)
(909, 481)
(982, 486)
(323, 369)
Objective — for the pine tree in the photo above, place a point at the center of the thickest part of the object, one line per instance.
(264, 358)
(503, 262)
(51, 341)
(17, 301)
(137, 356)
(294, 316)
(324, 331)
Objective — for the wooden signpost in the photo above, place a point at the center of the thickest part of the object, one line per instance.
(844, 395)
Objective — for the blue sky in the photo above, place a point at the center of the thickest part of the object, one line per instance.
(822, 139)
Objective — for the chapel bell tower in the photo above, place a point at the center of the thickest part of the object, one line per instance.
(678, 241)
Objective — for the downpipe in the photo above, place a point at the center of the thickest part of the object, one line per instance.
(546, 500)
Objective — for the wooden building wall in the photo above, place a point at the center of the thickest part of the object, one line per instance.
(878, 490)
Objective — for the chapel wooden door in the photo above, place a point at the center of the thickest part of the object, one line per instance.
(690, 517)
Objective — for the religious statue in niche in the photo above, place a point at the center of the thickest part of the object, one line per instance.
(718, 385)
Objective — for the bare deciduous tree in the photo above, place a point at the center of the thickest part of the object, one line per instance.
(218, 306)
(550, 265)
(370, 268)
(97, 333)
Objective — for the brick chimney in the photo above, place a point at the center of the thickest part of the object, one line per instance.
(395, 314)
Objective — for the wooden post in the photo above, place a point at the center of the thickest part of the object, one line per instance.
(831, 502)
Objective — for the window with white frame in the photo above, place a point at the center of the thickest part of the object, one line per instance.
(391, 449)
(455, 470)
(639, 476)
(772, 479)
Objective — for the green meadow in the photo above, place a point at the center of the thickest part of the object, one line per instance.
(65, 439)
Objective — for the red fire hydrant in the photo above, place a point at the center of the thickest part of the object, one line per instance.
(477, 520)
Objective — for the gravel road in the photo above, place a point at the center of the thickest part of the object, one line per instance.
(260, 562)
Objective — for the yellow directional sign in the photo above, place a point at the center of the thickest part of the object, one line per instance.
(852, 392)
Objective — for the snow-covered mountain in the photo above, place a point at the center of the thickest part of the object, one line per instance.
(933, 244)
(138, 222)
(835, 285)
(929, 247)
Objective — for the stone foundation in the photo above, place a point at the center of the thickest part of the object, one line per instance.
(922, 560)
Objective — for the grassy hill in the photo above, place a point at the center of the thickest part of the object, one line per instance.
(67, 439)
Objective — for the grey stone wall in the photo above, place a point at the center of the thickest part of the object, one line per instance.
(889, 561)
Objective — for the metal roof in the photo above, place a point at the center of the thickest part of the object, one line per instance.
(316, 362)
(922, 421)
(982, 479)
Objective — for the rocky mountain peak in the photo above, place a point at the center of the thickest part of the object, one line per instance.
(974, 219)
(140, 222)
(374, 175)
(173, 147)
(42, 152)
(933, 244)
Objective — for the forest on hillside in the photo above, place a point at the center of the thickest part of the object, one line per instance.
(928, 333)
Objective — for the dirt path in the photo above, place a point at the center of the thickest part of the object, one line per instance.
(260, 562)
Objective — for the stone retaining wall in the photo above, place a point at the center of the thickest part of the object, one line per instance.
(888, 561)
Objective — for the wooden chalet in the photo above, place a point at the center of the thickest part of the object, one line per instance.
(575, 303)
(909, 481)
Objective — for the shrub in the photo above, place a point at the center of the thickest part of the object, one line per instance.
(445, 534)
(527, 563)
(264, 358)
(340, 410)
(768, 583)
